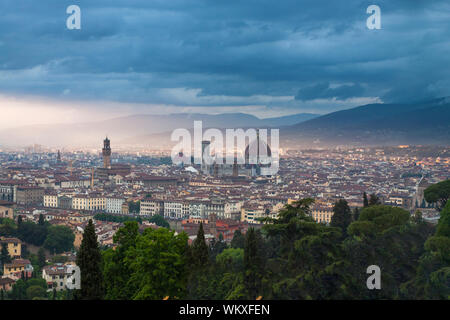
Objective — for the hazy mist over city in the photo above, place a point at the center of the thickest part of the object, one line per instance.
(264, 58)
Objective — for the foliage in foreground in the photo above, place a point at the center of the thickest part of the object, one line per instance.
(291, 257)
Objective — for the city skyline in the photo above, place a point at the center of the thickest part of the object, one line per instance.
(208, 153)
(203, 57)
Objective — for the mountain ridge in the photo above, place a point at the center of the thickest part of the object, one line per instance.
(372, 124)
(427, 122)
(127, 127)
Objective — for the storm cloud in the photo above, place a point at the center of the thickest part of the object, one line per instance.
(284, 56)
(325, 91)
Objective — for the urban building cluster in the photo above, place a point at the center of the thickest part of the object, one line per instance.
(70, 188)
(58, 276)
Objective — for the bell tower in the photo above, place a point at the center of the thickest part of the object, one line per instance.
(58, 160)
(106, 153)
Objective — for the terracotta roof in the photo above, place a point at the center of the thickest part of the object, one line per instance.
(6, 280)
(56, 269)
(18, 262)
(6, 203)
(10, 240)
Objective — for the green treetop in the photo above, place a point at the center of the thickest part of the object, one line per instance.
(89, 261)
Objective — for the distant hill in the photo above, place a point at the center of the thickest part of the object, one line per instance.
(288, 120)
(134, 127)
(376, 124)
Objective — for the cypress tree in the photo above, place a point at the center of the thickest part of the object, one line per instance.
(218, 247)
(423, 205)
(253, 264)
(365, 201)
(89, 260)
(238, 241)
(41, 219)
(374, 200)
(356, 214)
(199, 264)
(4, 256)
(41, 258)
(341, 215)
(200, 254)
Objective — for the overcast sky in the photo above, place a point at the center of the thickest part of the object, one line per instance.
(265, 57)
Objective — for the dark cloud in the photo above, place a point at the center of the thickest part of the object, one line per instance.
(226, 53)
(324, 91)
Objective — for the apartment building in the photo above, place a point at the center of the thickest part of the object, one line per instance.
(6, 212)
(197, 209)
(114, 205)
(322, 214)
(173, 209)
(79, 202)
(51, 200)
(30, 196)
(18, 268)
(216, 207)
(14, 246)
(62, 276)
(252, 212)
(7, 191)
(152, 207)
(232, 207)
(94, 202)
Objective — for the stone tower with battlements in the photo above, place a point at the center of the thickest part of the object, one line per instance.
(106, 153)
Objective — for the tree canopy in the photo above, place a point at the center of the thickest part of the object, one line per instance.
(89, 261)
(341, 215)
(59, 239)
(438, 193)
(157, 264)
(290, 257)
